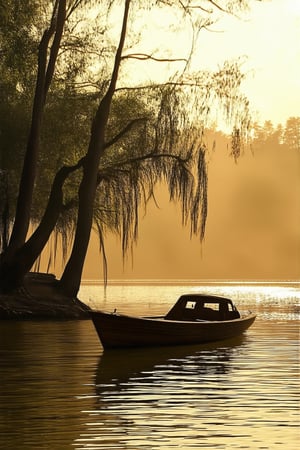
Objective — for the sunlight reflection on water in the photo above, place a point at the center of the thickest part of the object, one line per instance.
(157, 299)
(59, 390)
(232, 396)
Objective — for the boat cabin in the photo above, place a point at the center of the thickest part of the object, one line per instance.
(197, 307)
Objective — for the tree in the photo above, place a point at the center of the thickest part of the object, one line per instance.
(266, 136)
(16, 82)
(292, 133)
(47, 56)
(20, 86)
(170, 136)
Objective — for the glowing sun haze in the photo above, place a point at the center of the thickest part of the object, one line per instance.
(253, 222)
(268, 36)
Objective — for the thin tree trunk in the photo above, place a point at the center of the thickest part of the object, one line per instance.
(71, 278)
(44, 77)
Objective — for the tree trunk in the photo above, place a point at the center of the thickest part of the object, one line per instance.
(12, 273)
(71, 278)
(44, 77)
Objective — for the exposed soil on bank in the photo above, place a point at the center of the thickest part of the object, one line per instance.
(39, 299)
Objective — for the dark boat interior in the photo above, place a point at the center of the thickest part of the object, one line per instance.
(199, 307)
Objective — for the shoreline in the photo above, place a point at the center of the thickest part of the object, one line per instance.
(39, 299)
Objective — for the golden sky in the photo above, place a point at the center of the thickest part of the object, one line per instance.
(269, 36)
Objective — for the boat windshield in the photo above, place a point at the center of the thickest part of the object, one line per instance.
(202, 308)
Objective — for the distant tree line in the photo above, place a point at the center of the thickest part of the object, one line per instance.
(284, 135)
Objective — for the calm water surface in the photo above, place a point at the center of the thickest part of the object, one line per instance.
(59, 390)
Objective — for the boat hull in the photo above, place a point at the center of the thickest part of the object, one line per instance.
(117, 330)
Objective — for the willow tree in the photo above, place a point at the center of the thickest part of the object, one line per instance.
(55, 46)
(47, 55)
(128, 154)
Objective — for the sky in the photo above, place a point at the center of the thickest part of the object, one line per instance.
(252, 230)
(266, 37)
(269, 37)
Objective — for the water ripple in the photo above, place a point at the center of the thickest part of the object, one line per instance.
(60, 391)
(238, 396)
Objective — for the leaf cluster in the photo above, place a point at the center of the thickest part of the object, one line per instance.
(154, 134)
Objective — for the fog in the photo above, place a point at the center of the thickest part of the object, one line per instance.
(252, 229)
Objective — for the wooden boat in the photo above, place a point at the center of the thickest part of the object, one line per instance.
(194, 319)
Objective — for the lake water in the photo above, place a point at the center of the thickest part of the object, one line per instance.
(60, 391)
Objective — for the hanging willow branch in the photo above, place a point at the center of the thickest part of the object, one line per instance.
(144, 150)
(156, 136)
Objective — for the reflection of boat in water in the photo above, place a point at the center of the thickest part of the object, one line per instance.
(117, 367)
(161, 397)
(194, 319)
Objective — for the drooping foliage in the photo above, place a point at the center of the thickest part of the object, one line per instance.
(154, 130)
